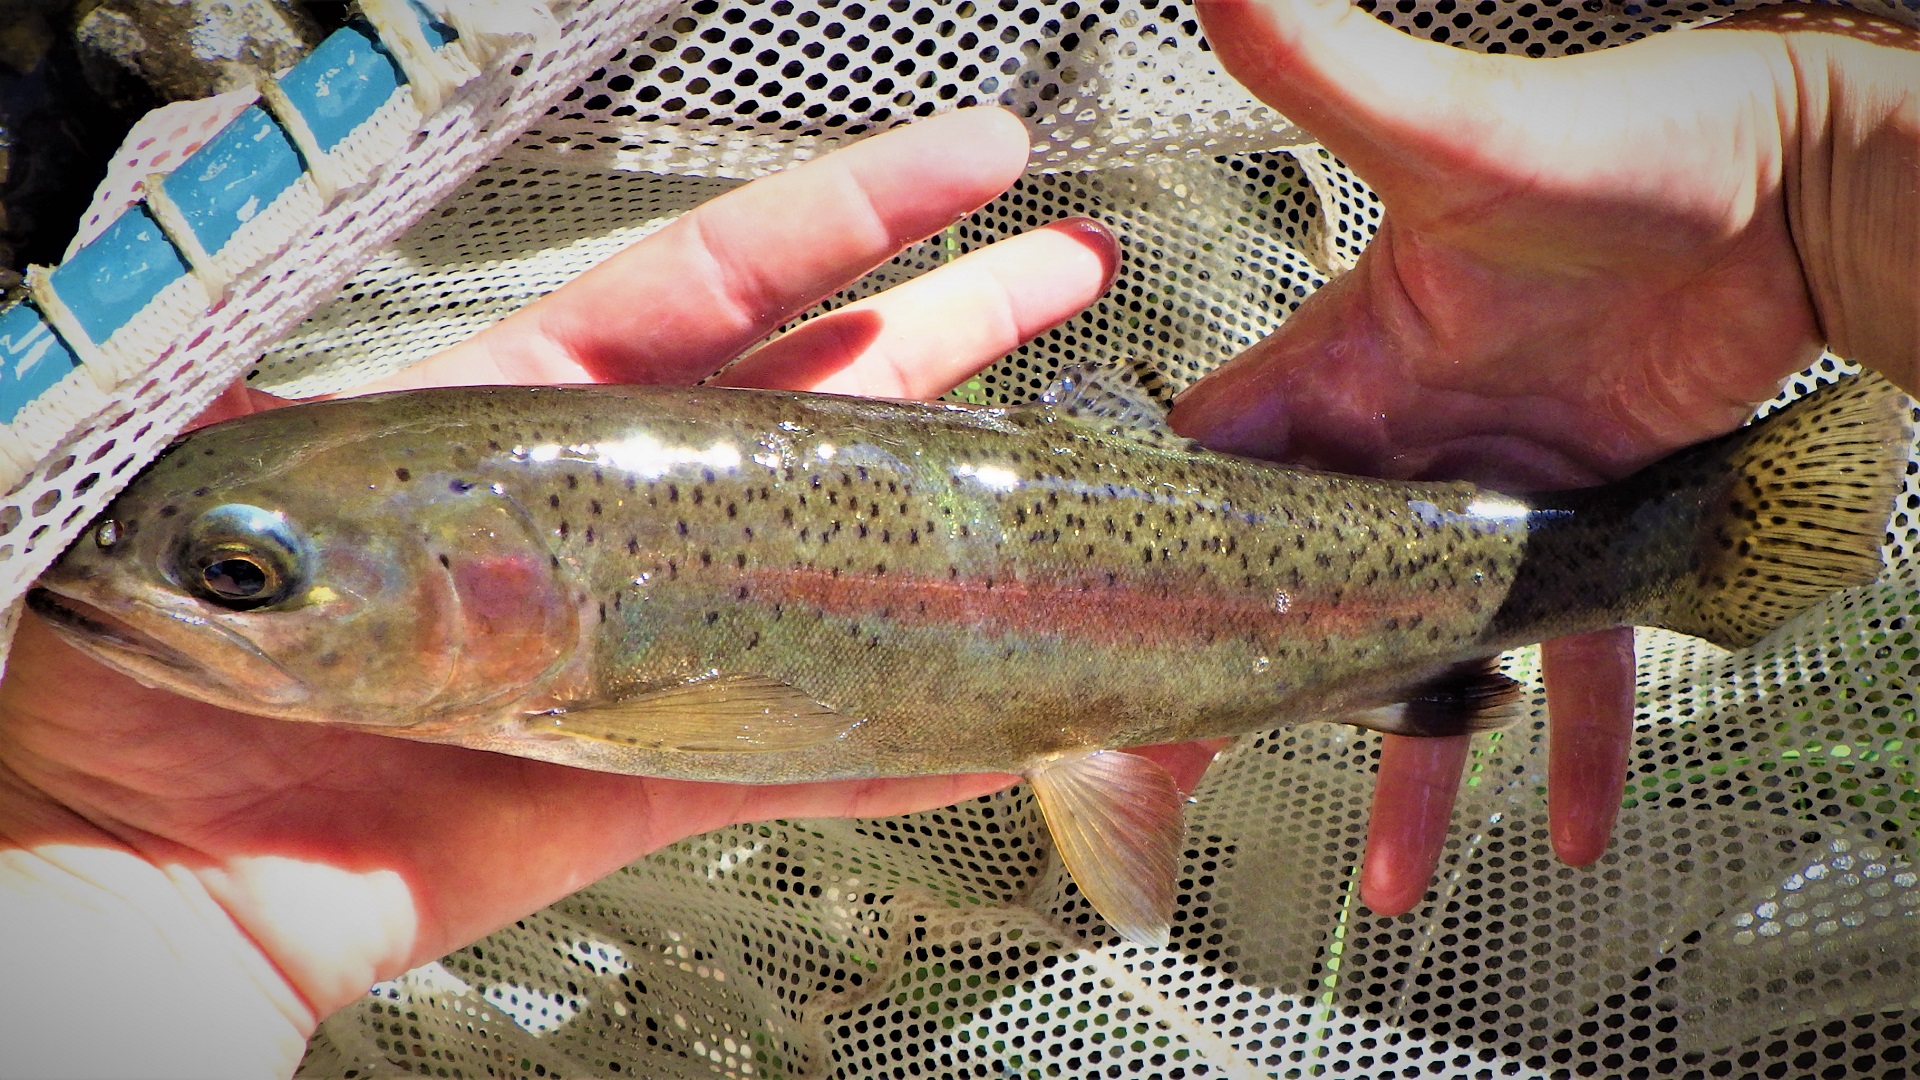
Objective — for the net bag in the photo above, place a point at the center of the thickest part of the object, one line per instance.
(1758, 914)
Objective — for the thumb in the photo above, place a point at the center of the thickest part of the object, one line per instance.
(1396, 108)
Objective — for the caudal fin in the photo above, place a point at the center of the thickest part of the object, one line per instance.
(1815, 486)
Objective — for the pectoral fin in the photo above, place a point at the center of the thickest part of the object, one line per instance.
(1116, 820)
(1466, 698)
(733, 713)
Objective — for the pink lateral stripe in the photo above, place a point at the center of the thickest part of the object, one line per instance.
(1137, 613)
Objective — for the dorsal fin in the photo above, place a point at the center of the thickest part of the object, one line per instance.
(1109, 400)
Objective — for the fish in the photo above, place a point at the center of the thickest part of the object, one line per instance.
(767, 587)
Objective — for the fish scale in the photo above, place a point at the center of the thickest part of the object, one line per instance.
(856, 551)
(766, 587)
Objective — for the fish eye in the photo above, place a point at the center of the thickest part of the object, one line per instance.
(238, 579)
(241, 558)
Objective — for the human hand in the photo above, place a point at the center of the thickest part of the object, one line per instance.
(255, 875)
(1585, 264)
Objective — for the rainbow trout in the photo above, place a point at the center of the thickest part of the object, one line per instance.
(767, 587)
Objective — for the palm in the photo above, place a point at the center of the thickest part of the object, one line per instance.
(347, 856)
(1535, 311)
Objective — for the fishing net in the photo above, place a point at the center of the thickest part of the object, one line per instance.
(1758, 915)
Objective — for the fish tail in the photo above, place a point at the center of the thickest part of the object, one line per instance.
(1812, 489)
(1725, 540)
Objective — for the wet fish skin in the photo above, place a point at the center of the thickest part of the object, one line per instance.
(993, 586)
(768, 587)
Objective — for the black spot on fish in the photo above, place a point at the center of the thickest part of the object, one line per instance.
(594, 507)
(573, 482)
(553, 502)
(168, 510)
(673, 492)
(402, 475)
(563, 529)
(460, 487)
(633, 545)
(445, 563)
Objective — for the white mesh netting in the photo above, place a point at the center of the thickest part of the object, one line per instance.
(1759, 914)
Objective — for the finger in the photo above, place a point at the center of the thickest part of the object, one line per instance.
(1413, 797)
(1186, 762)
(236, 400)
(1247, 406)
(677, 305)
(926, 336)
(734, 804)
(1390, 105)
(1590, 687)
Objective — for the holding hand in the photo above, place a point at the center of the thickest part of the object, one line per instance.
(246, 877)
(1585, 264)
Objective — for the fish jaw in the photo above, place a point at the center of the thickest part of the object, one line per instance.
(160, 646)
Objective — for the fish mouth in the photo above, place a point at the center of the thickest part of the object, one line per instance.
(104, 632)
(245, 679)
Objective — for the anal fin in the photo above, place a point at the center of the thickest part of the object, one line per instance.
(1117, 820)
(1464, 699)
